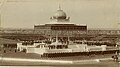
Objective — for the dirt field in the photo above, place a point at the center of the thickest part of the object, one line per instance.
(100, 64)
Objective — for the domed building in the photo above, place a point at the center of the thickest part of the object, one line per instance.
(60, 25)
(59, 16)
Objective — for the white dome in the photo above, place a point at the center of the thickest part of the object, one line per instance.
(60, 14)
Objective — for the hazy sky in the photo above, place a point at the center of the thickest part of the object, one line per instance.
(94, 13)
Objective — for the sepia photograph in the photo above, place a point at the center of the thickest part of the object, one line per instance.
(60, 33)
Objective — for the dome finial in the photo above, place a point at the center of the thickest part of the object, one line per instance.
(59, 7)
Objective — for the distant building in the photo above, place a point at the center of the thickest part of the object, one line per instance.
(8, 43)
(61, 26)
